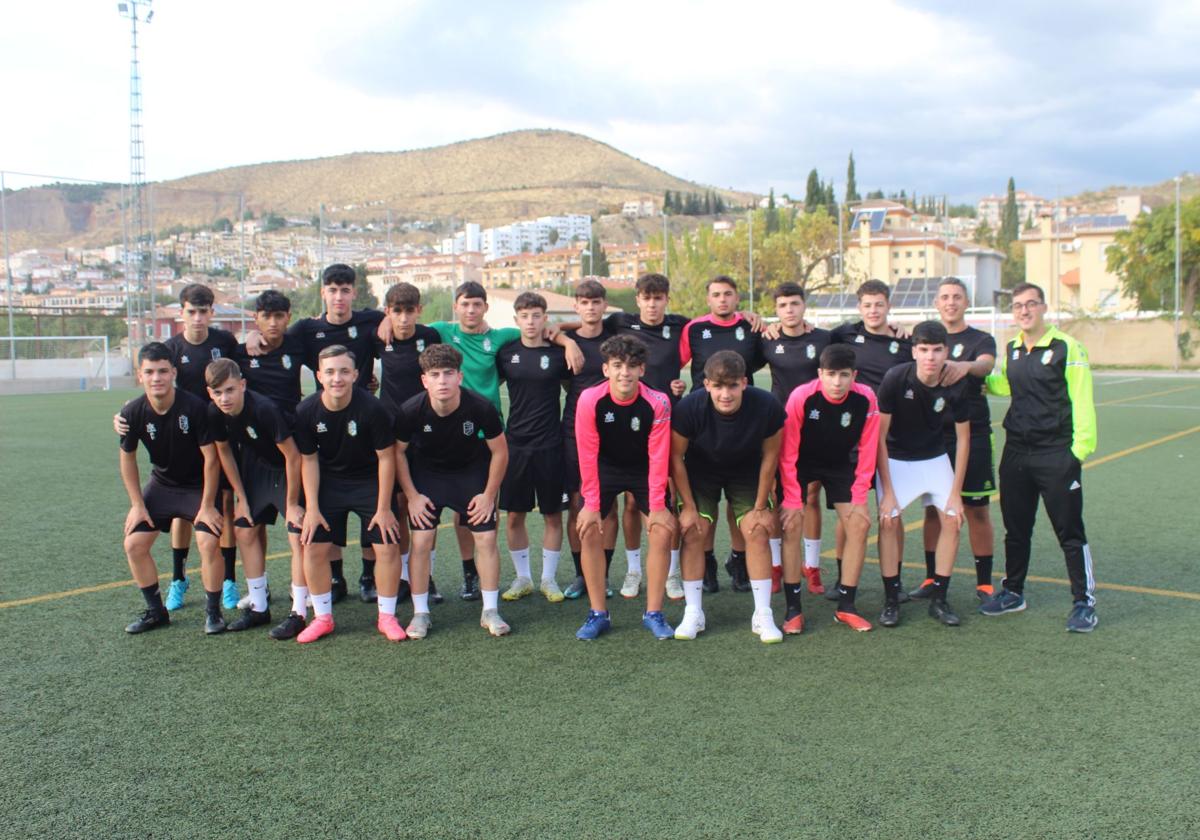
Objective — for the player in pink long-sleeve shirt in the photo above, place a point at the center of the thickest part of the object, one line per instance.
(623, 435)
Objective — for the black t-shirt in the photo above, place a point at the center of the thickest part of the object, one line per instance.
(345, 441)
(534, 376)
(704, 336)
(967, 346)
(918, 413)
(401, 366)
(592, 374)
(662, 344)
(874, 354)
(357, 335)
(275, 375)
(794, 360)
(449, 444)
(173, 440)
(192, 359)
(727, 445)
(258, 428)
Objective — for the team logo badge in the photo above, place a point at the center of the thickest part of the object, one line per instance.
(957, 351)
(321, 334)
(420, 345)
(216, 353)
(858, 339)
(457, 340)
(635, 424)
(428, 428)
(666, 331)
(183, 423)
(352, 332)
(388, 349)
(778, 349)
(545, 363)
(706, 334)
(845, 419)
(566, 499)
(287, 362)
(254, 363)
(987, 485)
(487, 345)
(939, 404)
(893, 347)
(352, 429)
(908, 395)
(637, 327)
(740, 334)
(468, 428)
(183, 360)
(151, 430)
(321, 427)
(516, 359)
(1016, 354)
(810, 351)
(815, 414)
(1047, 356)
(253, 435)
(609, 417)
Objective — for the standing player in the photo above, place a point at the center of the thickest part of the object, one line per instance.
(450, 452)
(274, 371)
(1051, 430)
(183, 484)
(623, 433)
(972, 356)
(913, 464)
(725, 439)
(344, 435)
(534, 371)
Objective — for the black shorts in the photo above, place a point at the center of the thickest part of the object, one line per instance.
(570, 462)
(340, 497)
(740, 493)
(980, 482)
(837, 484)
(266, 488)
(454, 491)
(534, 473)
(615, 482)
(166, 503)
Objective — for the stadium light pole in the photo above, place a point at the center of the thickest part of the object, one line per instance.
(12, 341)
(1178, 267)
(242, 261)
(750, 251)
(666, 248)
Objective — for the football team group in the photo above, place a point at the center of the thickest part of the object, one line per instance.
(867, 406)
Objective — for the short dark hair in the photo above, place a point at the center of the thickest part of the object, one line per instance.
(1022, 288)
(219, 371)
(272, 301)
(624, 348)
(725, 367)
(789, 290)
(591, 290)
(954, 281)
(470, 289)
(403, 295)
(155, 351)
(335, 350)
(721, 278)
(838, 357)
(197, 294)
(929, 332)
(440, 357)
(338, 274)
(873, 287)
(529, 300)
(653, 284)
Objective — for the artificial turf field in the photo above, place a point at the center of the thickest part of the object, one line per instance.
(1005, 727)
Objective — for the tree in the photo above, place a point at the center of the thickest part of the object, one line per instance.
(772, 213)
(875, 194)
(718, 203)
(851, 183)
(1013, 270)
(830, 200)
(1010, 224)
(668, 204)
(1144, 258)
(984, 234)
(1029, 225)
(222, 225)
(553, 236)
(814, 193)
(597, 263)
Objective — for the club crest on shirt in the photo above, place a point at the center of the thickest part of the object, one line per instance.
(254, 364)
(253, 435)
(1016, 354)
(468, 428)
(939, 404)
(957, 351)
(706, 333)
(151, 430)
(427, 428)
(321, 427)
(845, 419)
(609, 417)
(183, 423)
(516, 359)
(545, 363)
(858, 339)
(420, 345)
(183, 360)
(286, 361)
(487, 345)
(352, 332)
(1047, 356)
(815, 414)
(778, 349)
(352, 429)
(666, 331)
(456, 339)
(908, 395)
(894, 347)
(389, 349)
(321, 334)
(811, 351)
(740, 334)
(635, 424)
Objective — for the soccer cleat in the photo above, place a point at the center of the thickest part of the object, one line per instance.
(985, 592)
(595, 624)
(939, 609)
(367, 593)
(404, 592)
(763, 626)
(656, 623)
(521, 587)
(1083, 618)
(576, 589)
(890, 616)
(390, 627)
(691, 626)
(470, 587)
(289, 628)
(214, 622)
(320, 626)
(794, 626)
(419, 627)
(852, 619)
(739, 578)
(175, 594)
(338, 589)
(813, 576)
(902, 596)
(249, 618)
(1005, 602)
(491, 621)
(230, 595)
(675, 587)
(435, 597)
(831, 592)
(150, 619)
(711, 584)
(632, 587)
(925, 590)
(776, 580)
(550, 589)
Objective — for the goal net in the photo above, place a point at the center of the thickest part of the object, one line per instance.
(49, 364)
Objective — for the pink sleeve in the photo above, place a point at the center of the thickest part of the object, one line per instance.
(868, 448)
(587, 443)
(685, 343)
(793, 424)
(660, 447)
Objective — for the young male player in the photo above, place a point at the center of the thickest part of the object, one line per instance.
(450, 452)
(725, 440)
(344, 435)
(535, 372)
(274, 371)
(972, 356)
(170, 424)
(912, 464)
(830, 439)
(1051, 430)
(622, 429)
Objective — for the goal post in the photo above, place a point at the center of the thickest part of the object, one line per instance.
(55, 364)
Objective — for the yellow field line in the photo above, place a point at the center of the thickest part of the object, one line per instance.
(1151, 394)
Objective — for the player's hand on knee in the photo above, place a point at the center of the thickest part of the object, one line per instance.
(295, 516)
(480, 509)
(137, 514)
(120, 425)
(312, 521)
(889, 509)
(792, 519)
(953, 515)
(241, 511)
(420, 510)
(754, 520)
(689, 520)
(661, 518)
(211, 517)
(587, 520)
(388, 525)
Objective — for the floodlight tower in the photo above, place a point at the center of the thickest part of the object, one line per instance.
(138, 11)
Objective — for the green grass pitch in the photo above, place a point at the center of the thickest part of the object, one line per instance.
(1005, 727)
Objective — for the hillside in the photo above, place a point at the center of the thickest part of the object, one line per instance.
(1153, 195)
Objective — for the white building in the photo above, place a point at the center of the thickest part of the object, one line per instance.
(529, 236)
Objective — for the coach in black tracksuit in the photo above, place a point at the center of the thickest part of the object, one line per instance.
(1051, 429)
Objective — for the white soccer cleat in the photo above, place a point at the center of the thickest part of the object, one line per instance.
(763, 625)
(675, 587)
(691, 626)
(632, 586)
(521, 587)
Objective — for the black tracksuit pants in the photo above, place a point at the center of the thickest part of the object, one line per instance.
(1054, 476)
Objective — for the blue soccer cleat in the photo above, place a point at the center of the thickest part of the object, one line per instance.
(596, 624)
(230, 595)
(175, 593)
(656, 623)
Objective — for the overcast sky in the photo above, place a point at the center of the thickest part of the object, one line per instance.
(936, 97)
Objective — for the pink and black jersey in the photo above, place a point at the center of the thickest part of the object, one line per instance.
(704, 336)
(820, 435)
(620, 441)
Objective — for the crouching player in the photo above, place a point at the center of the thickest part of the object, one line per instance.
(726, 439)
(450, 452)
(830, 436)
(262, 464)
(345, 437)
(170, 423)
(623, 434)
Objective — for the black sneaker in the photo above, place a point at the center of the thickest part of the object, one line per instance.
(925, 590)
(249, 618)
(338, 590)
(366, 590)
(214, 623)
(939, 609)
(436, 597)
(150, 619)
(470, 587)
(289, 628)
(739, 578)
(403, 592)
(890, 616)
(710, 584)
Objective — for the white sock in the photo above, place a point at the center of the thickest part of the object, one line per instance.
(693, 594)
(387, 606)
(776, 552)
(420, 603)
(300, 600)
(491, 598)
(812, 553)
(633, 556)
(762, 594)
(520, 561)
(674, 569)
(258, 593)
(323, 605)
(404, 566)
(550, 564)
